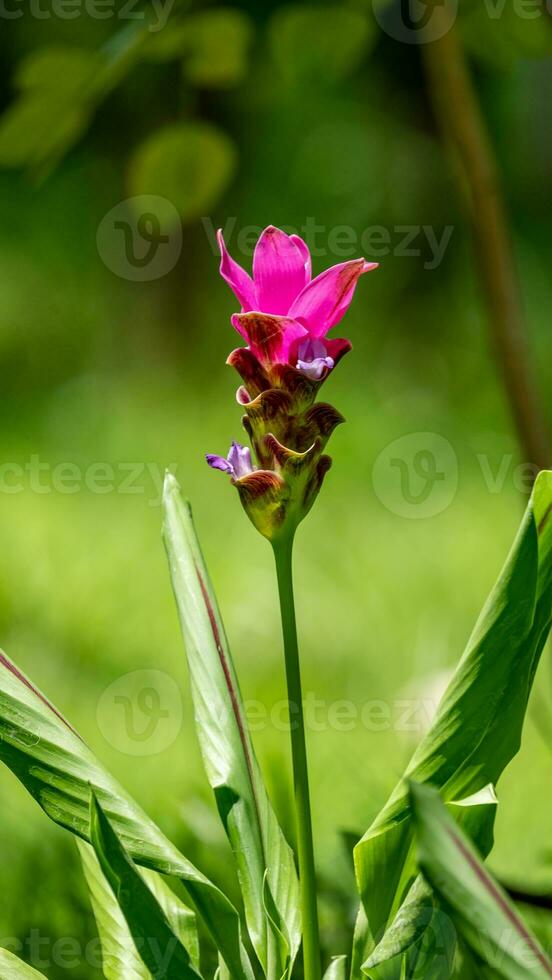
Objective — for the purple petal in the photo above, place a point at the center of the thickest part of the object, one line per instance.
(279, 271)
(237, 278)
(313, 359)
(269, 337)
(325, 300)
(310, 348)
(219, 463)
(239, 459)
(316, 368)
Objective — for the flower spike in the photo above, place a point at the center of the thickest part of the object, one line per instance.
(285, 317)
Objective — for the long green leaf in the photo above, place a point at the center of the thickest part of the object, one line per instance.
(478, 727)
(481, 911)
(158, 945)
(120, 958)
(57, 768)
(12, 968)
(262, 854)
(182, 920)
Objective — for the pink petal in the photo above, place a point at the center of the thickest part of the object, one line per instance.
(237, 278)
(305, 252)
(327, 298)
(269, 337)
(279, 271)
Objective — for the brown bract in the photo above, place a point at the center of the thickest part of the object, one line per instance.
(288, 430)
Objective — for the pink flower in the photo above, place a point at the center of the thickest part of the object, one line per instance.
(285, 314)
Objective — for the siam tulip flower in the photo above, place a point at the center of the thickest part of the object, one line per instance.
(285, 319)
(284, 312)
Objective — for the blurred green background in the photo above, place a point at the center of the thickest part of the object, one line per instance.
(244, 116)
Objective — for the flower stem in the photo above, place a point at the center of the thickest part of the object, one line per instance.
(305, 850)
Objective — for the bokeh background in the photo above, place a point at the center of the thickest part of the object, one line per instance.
(315, 118)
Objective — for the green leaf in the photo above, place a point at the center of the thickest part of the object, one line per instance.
(278, 958)
(182, 920)
(232, 769)
(420, 929)
(12, 968)
(478, 727)
(415, 916)
(319, 44)
(57, 768)
(120, 958)
(337, 969)
(158, 945)
(190, 164)
(481, 911)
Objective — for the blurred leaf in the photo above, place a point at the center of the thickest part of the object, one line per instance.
(12, 968)
(57, 769)
(213, 44)
(38, 129)
(50, 68)
(478, 727)
(52, 113)
(159, 947)
(320, 44)
(189, 164)
(498, 33)
(481, 911)
(265, 861)
(49, 115)
(218, 45)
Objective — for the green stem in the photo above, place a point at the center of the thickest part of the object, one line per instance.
(305, 850)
